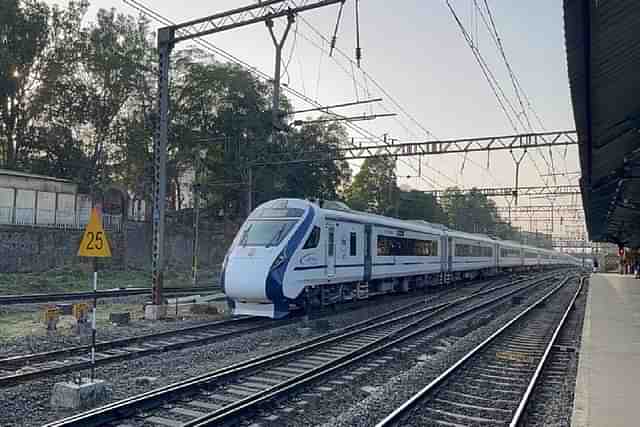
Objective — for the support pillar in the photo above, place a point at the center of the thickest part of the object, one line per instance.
(160, 163)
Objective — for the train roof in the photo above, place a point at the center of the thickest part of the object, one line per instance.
(341, 211)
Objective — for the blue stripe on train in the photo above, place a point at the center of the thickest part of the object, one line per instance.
(276, 275)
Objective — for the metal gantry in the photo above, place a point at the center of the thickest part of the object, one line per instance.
(265, 11)
(405, 149)
(534, 209)
(558, 190)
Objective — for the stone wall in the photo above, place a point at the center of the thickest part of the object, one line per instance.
(33, 249)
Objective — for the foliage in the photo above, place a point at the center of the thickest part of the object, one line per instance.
(374, 187)
(416, 204)
(24, 31)
(225, 110)
(471, 211)
(79, 90)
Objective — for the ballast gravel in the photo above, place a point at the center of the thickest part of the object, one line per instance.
(28, 404)
(365, 393)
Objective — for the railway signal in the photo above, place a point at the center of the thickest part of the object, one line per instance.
(94, 244)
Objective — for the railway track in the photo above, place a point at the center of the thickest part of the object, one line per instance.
(33, 366)
(242, 388)
(556, 384)
(110, 293)
(492, 384)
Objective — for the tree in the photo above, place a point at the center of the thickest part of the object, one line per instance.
(320, 179)
(472, 212)
(78, 87)
(416, 204)
(24, 34)
(374, 187)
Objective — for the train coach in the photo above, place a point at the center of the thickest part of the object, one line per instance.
(295, 253)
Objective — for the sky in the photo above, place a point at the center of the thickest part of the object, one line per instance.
(415, 51)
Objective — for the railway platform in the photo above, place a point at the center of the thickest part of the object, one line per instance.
(609, 368)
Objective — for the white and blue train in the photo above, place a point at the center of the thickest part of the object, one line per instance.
(296, 253)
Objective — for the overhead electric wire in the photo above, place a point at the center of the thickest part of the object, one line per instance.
(517, 86)
(212, 48)
(493, 82)
(387, 95)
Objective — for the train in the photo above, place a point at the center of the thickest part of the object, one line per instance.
(294, 254)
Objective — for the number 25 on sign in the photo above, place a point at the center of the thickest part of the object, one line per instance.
(94, 242)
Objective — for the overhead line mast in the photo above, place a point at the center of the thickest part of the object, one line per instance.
(167, 38)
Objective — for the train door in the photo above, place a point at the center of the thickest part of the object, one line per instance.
(367, 252)
(331, 249)
(443, 254)
(449, 254)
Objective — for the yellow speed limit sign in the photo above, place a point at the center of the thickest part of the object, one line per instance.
(94, 242)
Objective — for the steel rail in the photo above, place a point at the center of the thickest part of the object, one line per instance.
(250, 403)
(534, 379)
(111, 293)
(394, 417)
(25, 359)
(154, 398)
(11, 363)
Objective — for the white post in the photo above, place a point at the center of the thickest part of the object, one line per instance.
(93, 320)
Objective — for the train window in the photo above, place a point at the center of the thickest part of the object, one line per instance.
(314, 239)
(277, 212)
(473, 251)
(265, 233)
(353, 244)
(400, 246)
(509, 253)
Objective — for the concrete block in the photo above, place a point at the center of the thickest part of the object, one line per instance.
(211, 298)
(75, 396)
(155, 312)
(118, 318)
(183, 300)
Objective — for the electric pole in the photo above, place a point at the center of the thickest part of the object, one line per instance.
(168, 37)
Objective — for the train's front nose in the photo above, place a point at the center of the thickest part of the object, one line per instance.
(245, 274)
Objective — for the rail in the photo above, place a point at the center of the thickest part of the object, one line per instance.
(111, 293)
(399, 413)
(348, 348)
(534, 379)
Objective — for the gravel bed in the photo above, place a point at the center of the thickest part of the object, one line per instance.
(552, 401)
(61, 339)
(366, 392)
(28, 404)
(55, 341)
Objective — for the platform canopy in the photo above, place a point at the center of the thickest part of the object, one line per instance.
(603, 57)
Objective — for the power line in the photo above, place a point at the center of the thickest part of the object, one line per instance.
(212, 48)
(387, 95)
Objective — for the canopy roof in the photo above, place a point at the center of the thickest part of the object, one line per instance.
(603, 57)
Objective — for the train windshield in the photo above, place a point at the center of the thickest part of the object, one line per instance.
(266, 233)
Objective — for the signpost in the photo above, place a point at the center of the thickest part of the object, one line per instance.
(94, 244)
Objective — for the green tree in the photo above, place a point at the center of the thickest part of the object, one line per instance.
(374, 187)
(472, 212)
(24, 35)
(416, 204)
(320, 179)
